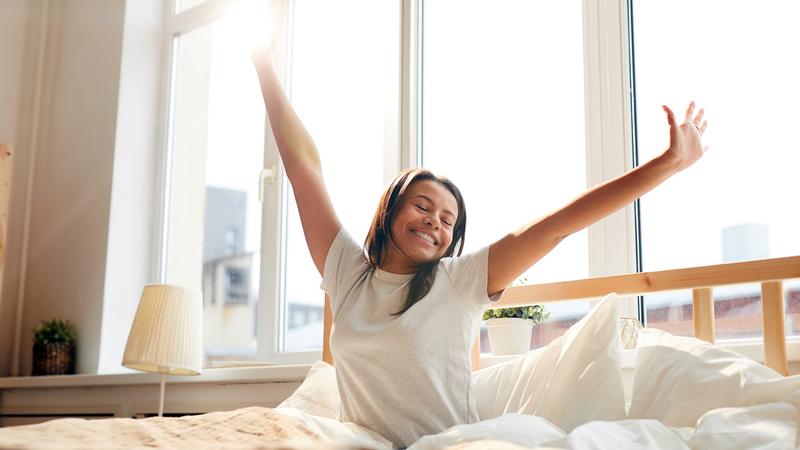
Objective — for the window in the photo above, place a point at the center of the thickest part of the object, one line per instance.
(503, 117)
(215, 154)
(348, 112)
(366, 116)
(733, 205)
(522, 104)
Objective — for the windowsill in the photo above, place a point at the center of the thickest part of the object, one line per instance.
(252, 374)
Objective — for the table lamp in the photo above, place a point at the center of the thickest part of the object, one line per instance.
(167, 334)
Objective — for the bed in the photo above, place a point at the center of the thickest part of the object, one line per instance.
(686, 392)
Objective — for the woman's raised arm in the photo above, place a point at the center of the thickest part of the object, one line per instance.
(516, 252)
(302, 163)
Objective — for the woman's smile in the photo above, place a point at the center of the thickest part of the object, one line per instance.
(424, 236)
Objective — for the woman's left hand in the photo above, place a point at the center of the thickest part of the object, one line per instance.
(685, 140)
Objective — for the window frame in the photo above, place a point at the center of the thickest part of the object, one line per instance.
(608, 103)
(609, 126)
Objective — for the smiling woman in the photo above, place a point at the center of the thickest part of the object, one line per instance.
(418, 211)
(423, 225)
(406, 304)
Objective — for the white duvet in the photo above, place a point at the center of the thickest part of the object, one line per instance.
(767, 426)
(686, 393)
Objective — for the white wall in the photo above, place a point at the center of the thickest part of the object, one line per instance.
(72, 173)
(79, 123)
(132, 255)
(14, 27)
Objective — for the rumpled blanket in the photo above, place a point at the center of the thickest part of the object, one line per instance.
(248, 428)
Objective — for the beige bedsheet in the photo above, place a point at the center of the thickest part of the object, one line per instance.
(245, 428)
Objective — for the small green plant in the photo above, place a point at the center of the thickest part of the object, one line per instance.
(52, 331)
(537, 313)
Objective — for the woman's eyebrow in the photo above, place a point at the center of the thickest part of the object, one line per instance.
(431, 200)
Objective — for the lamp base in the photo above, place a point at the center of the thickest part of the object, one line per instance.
(161, 400)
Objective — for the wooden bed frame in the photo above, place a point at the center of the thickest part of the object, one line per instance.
(701, 280)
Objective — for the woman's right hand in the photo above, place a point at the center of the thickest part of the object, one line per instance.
(261, 55)
(262, 45)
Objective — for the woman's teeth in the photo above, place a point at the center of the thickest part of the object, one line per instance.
(424, 236)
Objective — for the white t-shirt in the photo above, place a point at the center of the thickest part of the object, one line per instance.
(404, 376)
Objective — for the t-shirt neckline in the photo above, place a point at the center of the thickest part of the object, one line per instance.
(393, 277)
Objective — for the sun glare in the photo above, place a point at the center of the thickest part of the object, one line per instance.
(249, 25)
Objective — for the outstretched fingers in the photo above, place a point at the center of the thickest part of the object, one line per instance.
(670, 115)
(698, 119)
(689, 112)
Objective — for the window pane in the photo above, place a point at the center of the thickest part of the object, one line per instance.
(734, 203)
(737, 312)
(792, 293)
(670, 311)
(503, 117)
(214, 216)
(343, 80)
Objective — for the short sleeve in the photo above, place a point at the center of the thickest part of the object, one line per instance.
(470, 274)
(344, 264)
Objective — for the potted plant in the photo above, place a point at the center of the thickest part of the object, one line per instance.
(53, 348)
(510, 328)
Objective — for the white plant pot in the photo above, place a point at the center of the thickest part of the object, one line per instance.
(509, 335)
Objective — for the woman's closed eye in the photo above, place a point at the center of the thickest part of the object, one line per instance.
(447, 222)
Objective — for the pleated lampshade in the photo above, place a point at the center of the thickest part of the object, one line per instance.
(167, 332)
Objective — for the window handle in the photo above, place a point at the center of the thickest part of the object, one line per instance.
(268, 174)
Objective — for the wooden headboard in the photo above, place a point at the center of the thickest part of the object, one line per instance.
(701, 280)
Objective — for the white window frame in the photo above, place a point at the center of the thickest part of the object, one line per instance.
(609, 143)
(608, 127)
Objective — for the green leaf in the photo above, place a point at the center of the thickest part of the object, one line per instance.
(53, 331)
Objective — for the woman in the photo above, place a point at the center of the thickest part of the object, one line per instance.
(407, 304)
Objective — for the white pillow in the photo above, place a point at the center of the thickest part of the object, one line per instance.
(575, 379)
(318, 394)
(677, 379)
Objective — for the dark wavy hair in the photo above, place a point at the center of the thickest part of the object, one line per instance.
(379, 235)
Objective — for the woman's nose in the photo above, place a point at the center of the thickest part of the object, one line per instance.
(430, 221)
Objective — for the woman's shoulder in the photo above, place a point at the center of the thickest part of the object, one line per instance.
(465, 260)
(345, 258)
(471, 265)
(468, 273)
(344, 245)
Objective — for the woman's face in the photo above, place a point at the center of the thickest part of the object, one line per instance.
(422, 226)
